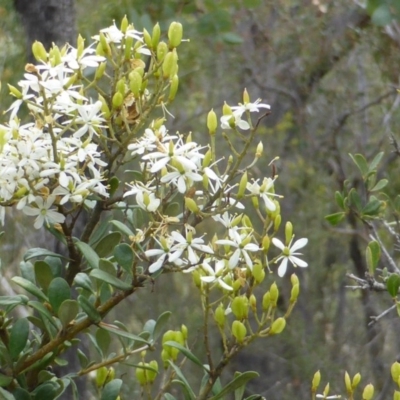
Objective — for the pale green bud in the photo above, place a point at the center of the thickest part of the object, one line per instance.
(277, 326)
(121, 86)
(191, 205)
(173, 88)
(196, 278)
(253, 303)
(155, 36)
(15, 92)
(294, 294)
(152, 375)
(184, 331)
(179, 338)
(274, 293)
(316, 381)
(347, 382)
(135, 83)
(170, 64)
(258, 272)
(104, 45)
(104, 107)
(110, 374)
(368, 392)
(124, 24)
(395, 371)
(147, 38)
(219, 316)
(288, 232)
(226, 110)
(141, 374)
(100, 70)
(239, 331)
(266, 242)
(80, 46)
(242, 186)
(117, 100)
(259, 150)
(207, 158)
(246, 97)
(294, 279)
(266, 302)
(212, 122)
(175, 33)
(396, 395)
(101, 376)
(128, 48)
(356, 380)
(55, 56)
(277, 222)
(38, 51)
(240, 307)
(162, 50)
(326, 390)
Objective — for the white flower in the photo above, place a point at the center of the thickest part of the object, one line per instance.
(252, 107)
(243, 246)
(215, 275)
(236, 116)
(147, 201)
(43, 212)
(264, 191)
(182, 179)
(289, 254)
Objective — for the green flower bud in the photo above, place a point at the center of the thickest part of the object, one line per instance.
(274, 293)
(277, 326)
(326, 390)
(277, 222)
(175, 33)
(128, 48)
(212, 122)
(101, 376)
(170, 64)
(288, 232)
(242, 186)
(236, 285)
(294, 279)
(253, 303)
(104, 45)
(15, 92)
(266, 302)
(240, 307)
(110, 375)
(80, 46)
(395, 371)
(121, 86)
(396, 395)
(226, 110)
(55, 56)
(259, 150)
(141, 374)
(104, 107)
(258, 272)
(147, 38)
(246, 97)
(316, 381)
(368, 392)
(294, 294)
(117, 100)
(152, 375)
(179, 337)
(155, 36)
(219, 316)
(38, 51)
(173, 88)
(207, 158)
(356, 381)
(124, 24)
(99, 50)
(165, 357)
(162, 50)
(100, 70)
(135, 83)
(191, 205)
(239, 331)
(184, 331)
(347, 382)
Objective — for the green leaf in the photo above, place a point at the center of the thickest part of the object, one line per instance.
(372, 5)
(124, 256)
(5, 380)
(122, 227)
(231, 38)
(100, 231)
(55, 265)
(43, 274)
(375, 250)
(89, 309)
(335, 218)
(188, 354)
(361, 163)
(236, 383)
(113, 184)
(339, 200)
(372, 207)
(83, 360)
(107, 266)
(103, 340)
(382, 16)
(380, 185)
(251, 3)
(58, 292)
(254, 397)
(121, 333)
(111, 390)
(91, 256)
(110, 279)
(355, 199)
(39, 252)
(160, 324)
(21, 394)
(184, 382)
(67, 311)
(44, 313)
(18, 337)
(393, 284)
(375, 162)
(5, 395)
(46, 391)
(30, 287)
(107, 244)
(13, 300)
(82, 280)
(169, 396)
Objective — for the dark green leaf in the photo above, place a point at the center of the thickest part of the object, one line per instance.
(107, 266)
(372, 207)
(43, 274)
(236, 383)
(5, 380)
(83, 360)
(160, 324)
(335, 218)
(18, 337)
(46, 391)
(58, 292)
(361, 163)
(149, 326)
(91, 257)
(120, 332)
(231, 38)
(123, 255)
(188, 354)
(44, 313)
(103, 340)
(30, 287)
(55, 265)
(27, 271)
(110, 279)
(113, 184)
(89, 309)
(100, 231)
(107, 244)
(39, 252)
(43, 362)
(375, 254)
(111, 390)
(393, 284)
(82, 280)
(339, 200)
(122, 227)
(355, 199)
(67, 311)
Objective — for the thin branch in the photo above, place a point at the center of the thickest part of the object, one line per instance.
(381, 315)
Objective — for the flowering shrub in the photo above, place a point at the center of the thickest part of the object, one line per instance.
(93, 112)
